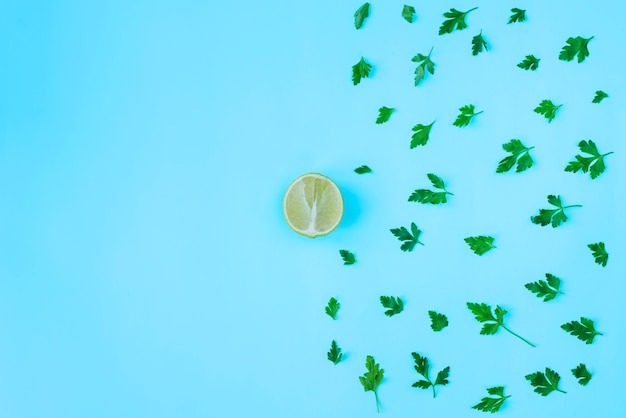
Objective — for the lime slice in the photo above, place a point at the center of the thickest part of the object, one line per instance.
(313, 205)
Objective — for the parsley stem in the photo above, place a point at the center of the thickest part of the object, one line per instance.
(518, 336)
(376, 396)
(604, 155)
(477, 8)
(573, 206)
(434, 394)
(559, 390)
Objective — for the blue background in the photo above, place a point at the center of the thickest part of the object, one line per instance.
(145, 266)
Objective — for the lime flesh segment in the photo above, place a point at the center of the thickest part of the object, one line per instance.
(313, 205)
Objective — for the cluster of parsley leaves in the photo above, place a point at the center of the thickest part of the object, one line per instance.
(543, 382)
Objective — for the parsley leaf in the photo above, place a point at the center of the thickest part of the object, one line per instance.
(478, 43)
(547, 290)
(480, 244)
(519, 154)
(594, 164)
(384, 113)
(466, 116)
(363, 170)
(518, 15)
(394, 305)
(455, 21)
(425, 64)
(583, 330)
(600, 95)
(428, 196)
(348, 257)
(410, 240)
(422, 367)
(547, 109)
(482, 313)
(334, 354)
(438, 321)
(581, 373)
(575, 46)
(421, 135)
(361, 14)
(555, 217)
(529, 63)
(408, 13)
(332, 308)
(545, 384)
(599, 253)
(488, 404)
(360, 70)
(372, 378)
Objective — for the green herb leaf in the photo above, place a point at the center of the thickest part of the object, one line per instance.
(372, 378)
(519, 154)
(363, 170)
(360, 70)
(555, 217)
(518, 15)
(480, 244)
(429, 196)
(594, 164)
(547, 290)
(581, 373)
(583, 330)
(488, 404)
(478, 43)
(332, 308)
(600, 95)
(547, 109)
(455, 21)
(545, 383)
(421, 135)
(410, 239)
(529, 63)
(425, 65)
(482, 313)
(334, 354)
(438, 321)
(422, 367)
(348, 257)
(599, 253)
(384, 113)
(466, 115)
(394, 305)
(575, 46)
(408, 13)
(360, 15)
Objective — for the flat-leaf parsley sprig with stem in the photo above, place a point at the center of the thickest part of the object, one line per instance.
(455, 21)
(384, 113)
(593, 164)
(465, 117)
(547, 109)
(334, 354)
(547, 290)
(482, 313)
(555, 217)
(584, 330)
(429, 196)
(529, 63)
(545, 383)
(425, 65)
(581, 373)
(409, 239)
(372, 378)
(422, 367)
(520, 154)
(575, 46)
(478, 43)
(492, 405)
(519, 15)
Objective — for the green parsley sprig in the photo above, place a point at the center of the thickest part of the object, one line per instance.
(422, 367)
(482, 313)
